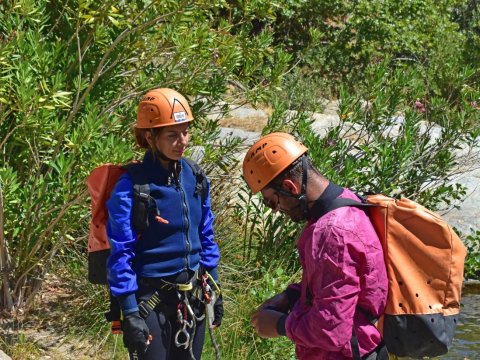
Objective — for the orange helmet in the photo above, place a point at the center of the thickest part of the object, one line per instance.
(268, 157)
(162, 107)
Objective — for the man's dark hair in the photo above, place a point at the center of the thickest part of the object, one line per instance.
(295, 171)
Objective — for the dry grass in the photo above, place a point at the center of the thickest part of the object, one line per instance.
(52, 329)
(254, 123)
(249, 123)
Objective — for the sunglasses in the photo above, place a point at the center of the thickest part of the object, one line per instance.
(273, 202)
(277, 192)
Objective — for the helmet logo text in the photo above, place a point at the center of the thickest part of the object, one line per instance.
(259, 148)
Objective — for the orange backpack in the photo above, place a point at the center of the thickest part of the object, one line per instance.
(424, 260)
(100, 183)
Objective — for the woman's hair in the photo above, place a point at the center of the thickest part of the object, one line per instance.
(141, 139)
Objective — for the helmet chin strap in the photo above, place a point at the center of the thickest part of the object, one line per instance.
(156, 152)
(302, 198)
(161, 155)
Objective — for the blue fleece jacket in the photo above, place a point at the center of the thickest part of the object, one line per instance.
(163, 249)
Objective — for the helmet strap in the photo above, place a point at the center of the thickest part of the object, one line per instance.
(162, 156)
(302, 198)
(174, 168)
(155, 151)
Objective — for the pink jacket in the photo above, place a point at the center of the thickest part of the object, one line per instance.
(343, 267)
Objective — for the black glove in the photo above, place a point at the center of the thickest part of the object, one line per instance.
(135, 333)
(218, 311)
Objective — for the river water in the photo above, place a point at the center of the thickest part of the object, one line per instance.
(466, 343)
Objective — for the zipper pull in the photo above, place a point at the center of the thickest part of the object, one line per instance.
(159, 218)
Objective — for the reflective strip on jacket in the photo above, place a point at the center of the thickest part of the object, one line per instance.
(343, 268)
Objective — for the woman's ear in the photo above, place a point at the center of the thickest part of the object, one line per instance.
(291, 186)
(149, 138)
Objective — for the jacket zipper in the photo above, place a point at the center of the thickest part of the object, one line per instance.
(186, 223)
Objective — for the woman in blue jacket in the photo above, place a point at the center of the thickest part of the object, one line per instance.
(163, 255)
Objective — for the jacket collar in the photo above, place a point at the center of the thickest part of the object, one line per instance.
(321, 206)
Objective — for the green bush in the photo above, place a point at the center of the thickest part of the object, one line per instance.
(71, 76)
(383, 143)
(472, 263)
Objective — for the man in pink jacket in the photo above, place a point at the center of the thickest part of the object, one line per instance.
(329, 314)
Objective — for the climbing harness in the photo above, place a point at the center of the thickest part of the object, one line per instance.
(184, 311)
(186, 318)
(147, 306)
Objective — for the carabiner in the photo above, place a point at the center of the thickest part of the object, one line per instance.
(183, 331)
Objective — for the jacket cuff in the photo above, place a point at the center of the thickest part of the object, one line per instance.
(214, 273)
(293, 295)
(128, 303)
(281, 325)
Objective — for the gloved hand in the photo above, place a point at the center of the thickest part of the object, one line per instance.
(215, 308)
(135, 333)
(218, 311)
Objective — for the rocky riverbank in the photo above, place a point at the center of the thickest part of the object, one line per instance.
(247, 123)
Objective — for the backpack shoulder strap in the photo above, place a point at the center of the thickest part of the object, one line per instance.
(140, 182)
(142, 202)
(342, 202)
(201, 178)
(335, 204)
(134, 169)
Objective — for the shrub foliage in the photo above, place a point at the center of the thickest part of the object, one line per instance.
(405, 76)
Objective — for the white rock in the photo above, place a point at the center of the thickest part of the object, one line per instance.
(248, 137)
(4, 356)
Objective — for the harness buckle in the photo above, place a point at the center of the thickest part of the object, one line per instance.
(146, 307)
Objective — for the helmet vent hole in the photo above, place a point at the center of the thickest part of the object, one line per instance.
(259, 181)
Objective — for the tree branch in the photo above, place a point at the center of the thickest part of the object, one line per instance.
(4, 266)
